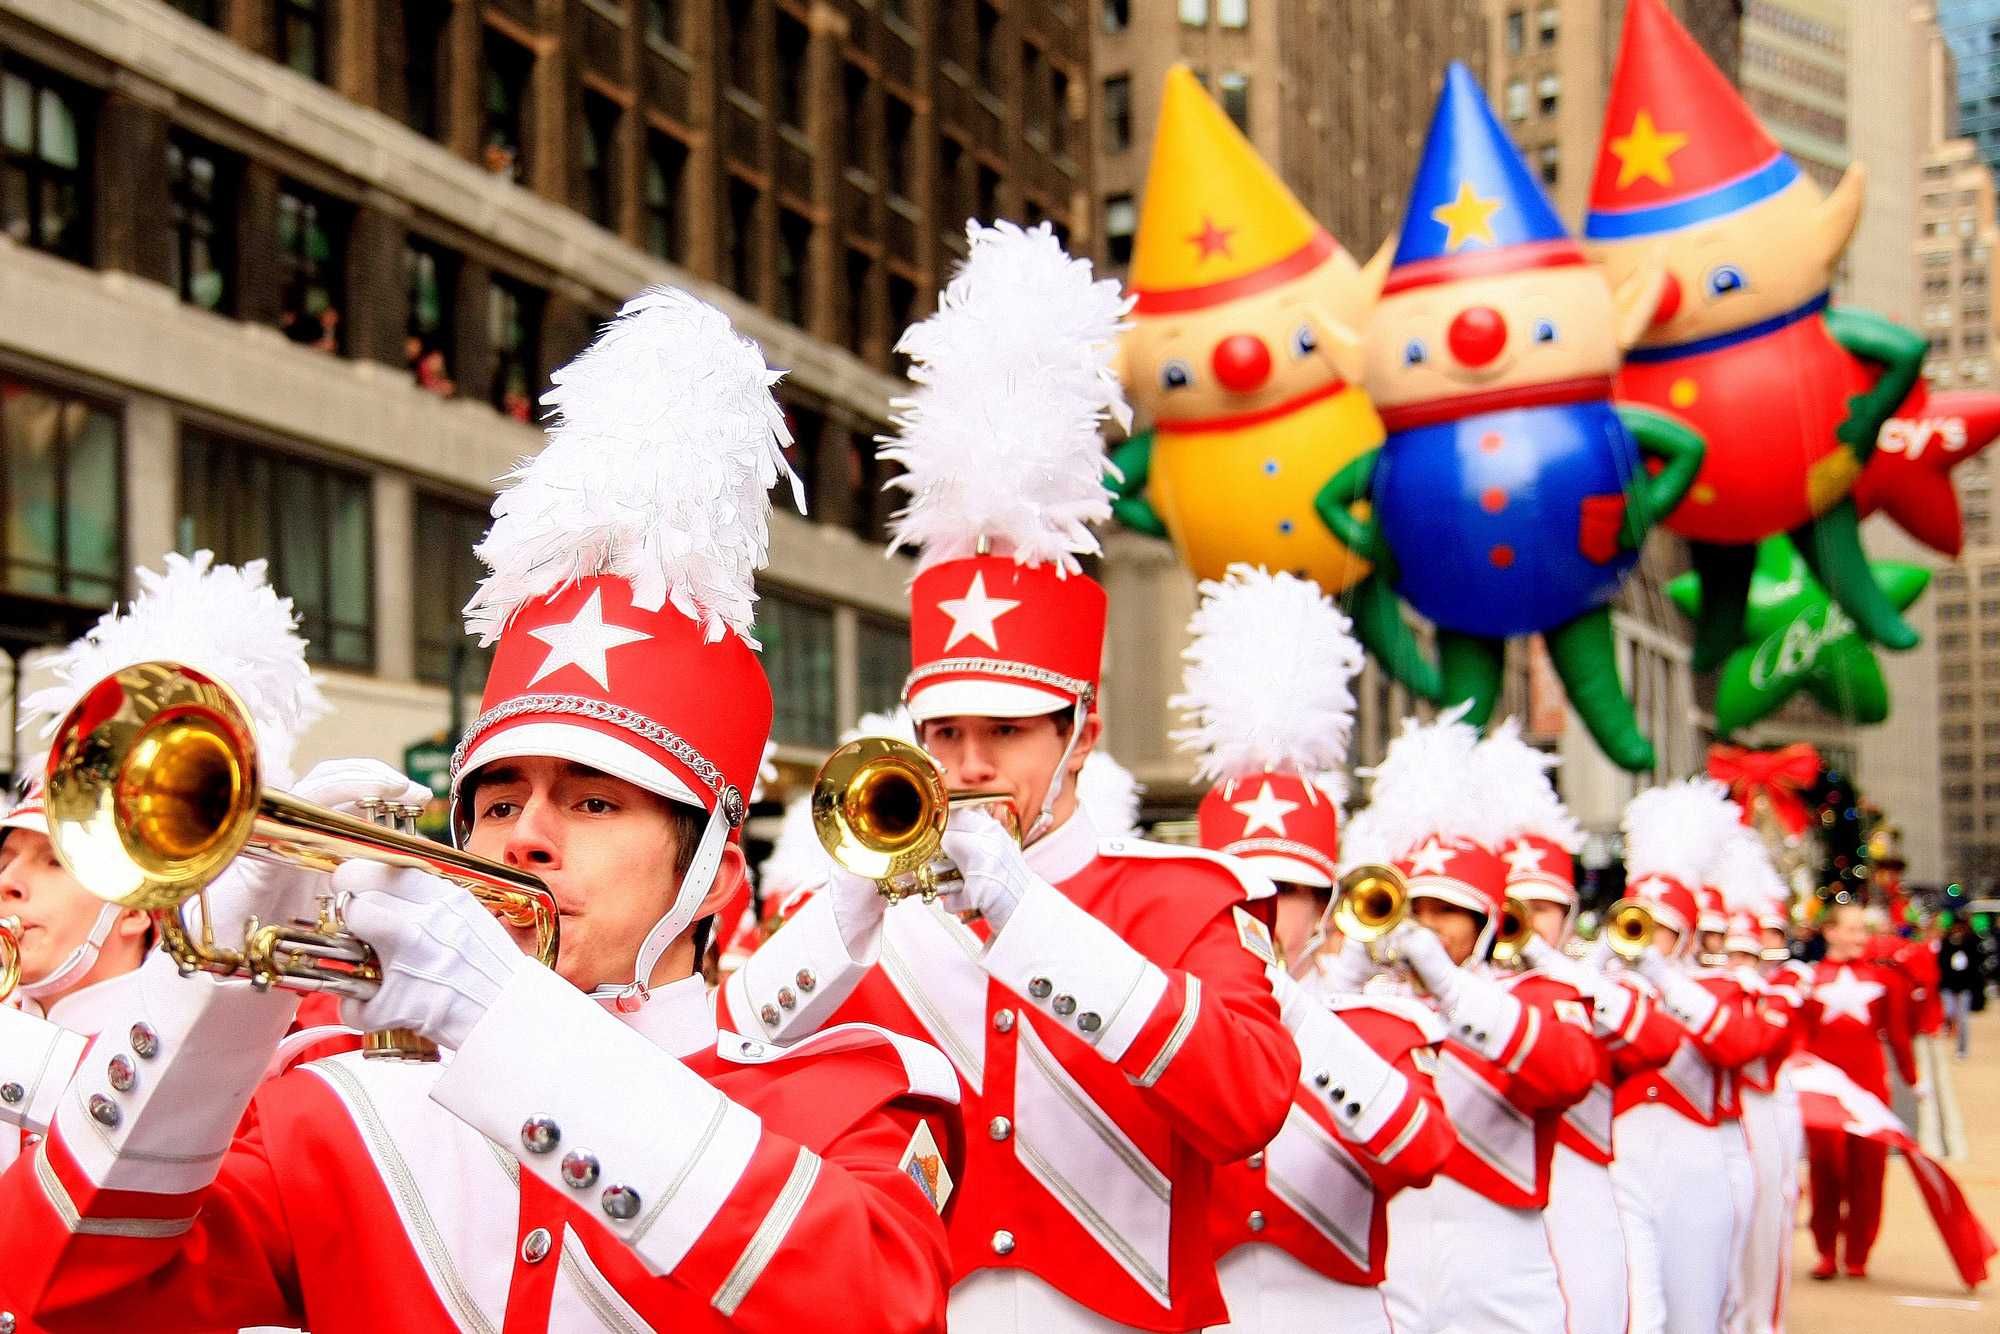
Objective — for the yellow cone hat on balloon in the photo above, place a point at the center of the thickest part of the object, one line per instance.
(1217, 223)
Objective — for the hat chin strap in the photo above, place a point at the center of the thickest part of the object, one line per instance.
(81, 959)
(1045, 819)
(695, 885)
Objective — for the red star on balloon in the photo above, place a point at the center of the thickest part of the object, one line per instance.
(1212, 239)
(1909, 476)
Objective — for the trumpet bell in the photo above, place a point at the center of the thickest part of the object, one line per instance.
(879, 807)
(1628, 927)
(1517, 929)
(10, 955)
(1373, 901)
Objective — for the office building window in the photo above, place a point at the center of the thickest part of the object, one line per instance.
(1234, 90)
(986, 23)
(854, 102)
(1548, 90)
(311, 521)
(666, 196)
(63, 502)
(600, 157)
(739, 238)
(201, 11)
(1117, 15)
(1517, 99)
(794, 267)
(423, 39)
(1548, 22)
(988, 202)
(1232, 13)
(902, 312)
(860, 268)
(883, 650)
(794, 50)
(1059, 113)
(1121, 225)
(740, 17)
(663, 20)
(1194, 13)
(312, 244)
(44, 178)
(797, 636)
(447, 574)
(899, 120)
(513, 327)
(430, 274)
(200, 207)
(1517, 31)
(302, 37)
(504, 85)
(1035, 93)
(1549, 158)
(1118, 113)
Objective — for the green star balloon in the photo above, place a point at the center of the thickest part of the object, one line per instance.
(1798, 639)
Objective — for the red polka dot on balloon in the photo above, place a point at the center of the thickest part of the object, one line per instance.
(1502, 556)
(1493, 499)
(1491, 442)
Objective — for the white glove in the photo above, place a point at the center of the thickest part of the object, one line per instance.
(858, 905)
(1294, 1001)
(274, 892)
(1419, 947)
(1685, 999)
(996, 875)
(1477, 1009)
(344, 784)
(1346, 969)
(444, 958)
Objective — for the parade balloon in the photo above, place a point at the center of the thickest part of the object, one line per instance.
(1788, 393)
(1510, 496)
(1909, 477)
(1243, 353)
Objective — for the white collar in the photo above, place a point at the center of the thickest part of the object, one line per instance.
(678, 1019)
(88, 1009)
(1064, 850)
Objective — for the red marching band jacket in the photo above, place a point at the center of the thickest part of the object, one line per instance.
(1850, 1011)
(1318, 1192)
(1115, 1043)
(1642, 1038)
(525, 1185)
(1699, 1079)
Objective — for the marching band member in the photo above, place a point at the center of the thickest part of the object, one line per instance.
(1301, 1226)
(1471, 1252)
(1630, 1031)
(1851, 1009)
(1681, 1172)
(593, 1152)
(1109, 1015)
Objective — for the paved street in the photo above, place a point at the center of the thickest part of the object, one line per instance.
(1911, 1285)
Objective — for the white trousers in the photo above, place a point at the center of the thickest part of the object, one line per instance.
(1589, 1243)
(1676, 1186)
(1777, 1140)
(1461, 1264)
(1270, 1292)
(1013, 1301)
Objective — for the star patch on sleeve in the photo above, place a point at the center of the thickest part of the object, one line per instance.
(1255, 937)
(925, 1166)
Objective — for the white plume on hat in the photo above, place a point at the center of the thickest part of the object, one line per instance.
(222, 620)
(1014, 380)
(1677, 830)
(1268, 682)
(1744, 874)
(895, 723)
(1426, 784)
(1513, 779)
(1109, 795)
(665, 444)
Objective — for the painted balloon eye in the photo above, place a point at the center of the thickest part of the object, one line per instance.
(1724, 279)
(1415, 353)
(1304, 344)
(1545, 331)
(1176, 375)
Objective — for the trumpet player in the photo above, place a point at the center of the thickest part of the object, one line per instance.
(1108, 1011)
(594, 1152)
(1471, 1251)
(1301, 1226)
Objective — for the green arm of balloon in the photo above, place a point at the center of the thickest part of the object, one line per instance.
(1585, 655)
(1133, 461)
(1379, 625)
(1335, 503)
(1651, 496)
(1831, 546)
(1720, 597)
(1471, 667)
(1899, 351)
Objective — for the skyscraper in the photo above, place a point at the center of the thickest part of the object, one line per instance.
(1971, 28)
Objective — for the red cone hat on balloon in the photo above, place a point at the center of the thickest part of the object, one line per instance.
(1538, 835)
(1269, 703)
(1680, 146)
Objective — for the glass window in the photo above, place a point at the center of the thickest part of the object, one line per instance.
(666, 196)
(1232, 13)
(447, 573)
(1235, 94)
(860, 267)
(600, 156)
(1549, 158)
(201, 11)
(794, 50)
(430, 273)
(854, 101)
(1517, 31)
(1548, 21)
(311, 521)
(1059, 112)
(797, 636)
(1194, 13)
(883, 649)
(513, 325)
(988, 184)
(1118, 113)
(987, 25)
(899, 120)
(1517, 99)
(200, 206)
(741, 32)
(312, 243)
(1117, 15)
(63, 502)
(44, 179)
(902, 310)
(1121, 225)
(1034, 92)
(663, 20)
(302, 37)
(505, 90)
(423, 38)
(794, 267)
(1548, 90)
(739, 239)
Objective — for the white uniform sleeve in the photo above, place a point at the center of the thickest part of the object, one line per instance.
(37, 1058)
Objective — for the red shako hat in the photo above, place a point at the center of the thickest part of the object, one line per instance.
(1538, 835)
(1674, 835)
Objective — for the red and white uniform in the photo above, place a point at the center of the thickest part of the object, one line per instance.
(1776, 1139)
(1115, 1042)
(39, 1051)
(757, 1180)
(1850, 1011)
(1301, 1227)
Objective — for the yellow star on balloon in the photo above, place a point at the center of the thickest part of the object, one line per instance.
(1467, 218)
(1644, 152)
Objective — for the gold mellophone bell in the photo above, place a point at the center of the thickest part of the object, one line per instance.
(1371, 901)
(10, 955)
(1517, 929)
(153, 790)
(879, 806)
(1628, 928)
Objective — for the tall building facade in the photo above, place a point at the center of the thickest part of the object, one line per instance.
(1971, 28)
(285, 280)
(1795, 79)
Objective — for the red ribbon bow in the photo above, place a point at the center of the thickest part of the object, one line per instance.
(1779, 775)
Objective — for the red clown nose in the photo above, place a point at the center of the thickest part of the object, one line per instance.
(1478, 335)
(1242, 363)
(1670, 300)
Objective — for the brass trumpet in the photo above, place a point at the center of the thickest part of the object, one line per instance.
(153, 790)
(10, 955)
(1628, 928)
(879, 806)
(1372, 900)
(1517, 929)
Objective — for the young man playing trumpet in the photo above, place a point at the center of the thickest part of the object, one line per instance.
(593, 1153)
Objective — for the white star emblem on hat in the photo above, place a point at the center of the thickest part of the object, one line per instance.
(1848, 996)
(584, 641)
(1266, 810)
(1523, 860)
(972, 616)
(1433, 858)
